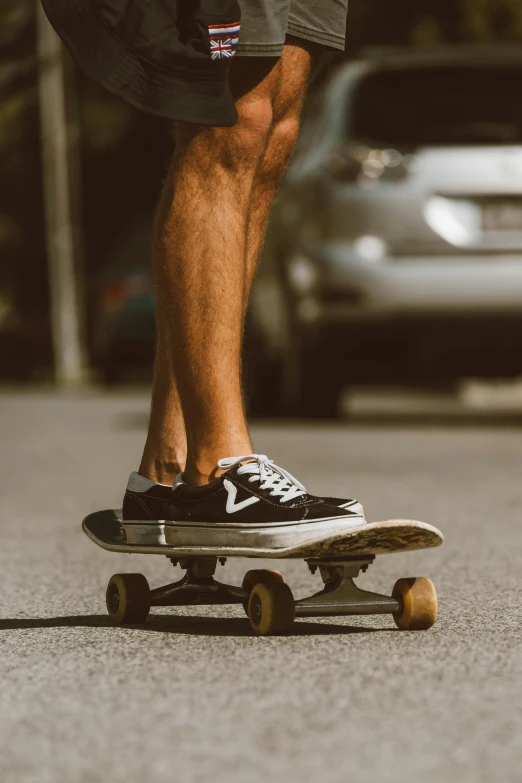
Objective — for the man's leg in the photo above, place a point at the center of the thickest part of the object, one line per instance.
(209, 234)
(296, 65)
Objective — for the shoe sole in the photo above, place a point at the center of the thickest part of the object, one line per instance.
(271, 535)
(152, 532)
(144, 533)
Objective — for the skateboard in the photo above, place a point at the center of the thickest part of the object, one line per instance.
(266, 598)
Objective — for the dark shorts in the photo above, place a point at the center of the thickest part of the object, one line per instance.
(266, 23)
(172, 57)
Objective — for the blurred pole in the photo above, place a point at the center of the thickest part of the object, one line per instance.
(59, 149)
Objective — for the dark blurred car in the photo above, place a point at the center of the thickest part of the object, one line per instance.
(125, 326)
(397, 236)
(124, 323)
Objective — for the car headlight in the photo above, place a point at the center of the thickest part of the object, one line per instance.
(370, 249)
(302, 274)
(458, 221)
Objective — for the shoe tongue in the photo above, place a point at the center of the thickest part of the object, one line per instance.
(252, 469)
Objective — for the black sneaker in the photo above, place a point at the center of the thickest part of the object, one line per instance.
(254, 505)
(147, 505)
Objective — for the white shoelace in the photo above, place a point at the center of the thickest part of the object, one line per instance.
(280, 483)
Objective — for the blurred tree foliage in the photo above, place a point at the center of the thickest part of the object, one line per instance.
(120, 147)
(427, 22)
(19, 170)
(113, 190)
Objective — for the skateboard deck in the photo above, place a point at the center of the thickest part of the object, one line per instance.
(265, 596)
(374, 538)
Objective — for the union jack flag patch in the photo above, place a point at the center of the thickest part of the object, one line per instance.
(223, 40)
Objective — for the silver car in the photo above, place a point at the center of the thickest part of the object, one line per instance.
(397, 235)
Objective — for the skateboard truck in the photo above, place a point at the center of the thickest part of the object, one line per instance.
(340, 594)
(198, 587)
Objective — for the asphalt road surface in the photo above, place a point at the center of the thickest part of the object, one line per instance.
(191, 696)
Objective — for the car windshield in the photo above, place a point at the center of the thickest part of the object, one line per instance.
(439, 106)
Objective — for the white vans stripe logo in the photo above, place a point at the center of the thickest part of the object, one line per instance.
(232, 506)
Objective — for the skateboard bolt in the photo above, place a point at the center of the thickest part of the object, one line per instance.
(222, 560)
(255, 610)
(114, 598)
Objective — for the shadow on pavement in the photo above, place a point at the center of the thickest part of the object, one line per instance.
(397, 421)
(367, 421)
(192, 626)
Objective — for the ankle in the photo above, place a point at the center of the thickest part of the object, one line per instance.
(160, 471)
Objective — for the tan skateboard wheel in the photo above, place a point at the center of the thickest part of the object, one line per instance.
(418, 603)
(257, 576)
(128, 598)
(271, 609)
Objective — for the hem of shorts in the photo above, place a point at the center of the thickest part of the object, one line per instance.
(331, 41)
(260, 50)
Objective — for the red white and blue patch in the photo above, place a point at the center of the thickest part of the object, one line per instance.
(223, 40)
